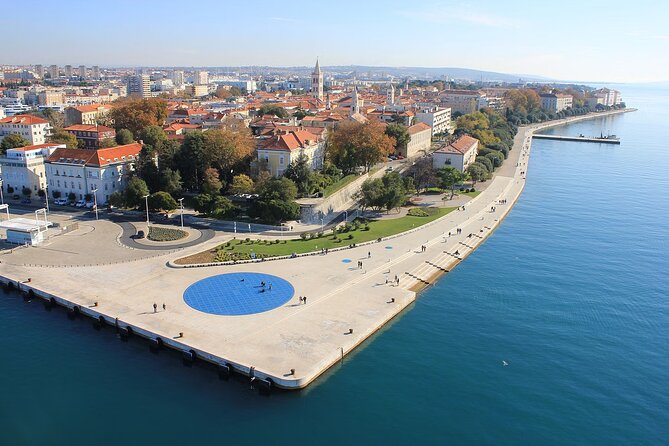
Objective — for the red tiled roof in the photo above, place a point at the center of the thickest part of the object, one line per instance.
(88, 128)
(89, 108)
(290, 141)
(417, 128)
(38, 146)
(461, 145)
(99, 157)
(23, 119)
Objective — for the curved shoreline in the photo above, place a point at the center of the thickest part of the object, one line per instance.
(290, 346)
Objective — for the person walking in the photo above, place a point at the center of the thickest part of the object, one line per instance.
(155, 307)
(369, 254)
(164, 307)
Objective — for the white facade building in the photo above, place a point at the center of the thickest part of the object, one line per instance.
(80, 171)
(459, 154)
(32, 128)
(24, 167)
(437, 118)
(420, 140)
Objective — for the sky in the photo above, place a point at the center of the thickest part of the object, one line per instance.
(585, 40)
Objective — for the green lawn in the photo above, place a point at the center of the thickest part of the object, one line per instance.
(240, 248)
(342, 182)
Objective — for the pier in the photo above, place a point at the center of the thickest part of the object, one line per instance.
(602, 140)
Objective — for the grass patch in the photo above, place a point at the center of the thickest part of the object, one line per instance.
(339, 184)
(159, 234)
(241, 249)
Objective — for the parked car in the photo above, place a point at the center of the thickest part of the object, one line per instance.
(80, 203)
(89, 204)
(60, 201)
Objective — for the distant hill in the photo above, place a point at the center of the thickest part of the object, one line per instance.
(396, 72)
(435, 73)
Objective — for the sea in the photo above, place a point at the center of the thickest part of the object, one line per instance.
(571, 293)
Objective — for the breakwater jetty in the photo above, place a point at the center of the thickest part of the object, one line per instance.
(601, 140)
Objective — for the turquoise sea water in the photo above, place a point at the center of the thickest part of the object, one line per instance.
(571, 291)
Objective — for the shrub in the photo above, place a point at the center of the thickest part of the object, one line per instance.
(303, 236)
(158, 234)
(462, 189)
(472, 190)
(349, 237)
(417, 212)
(10, 190)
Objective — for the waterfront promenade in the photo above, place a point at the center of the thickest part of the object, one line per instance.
(293, 343)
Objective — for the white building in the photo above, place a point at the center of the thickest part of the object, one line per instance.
(32, 128)
(23, 167)
(178, 78)
(462, 101)
(68, 71)
(420, 140)
(279, 151)
(82, 71)
(139, 85)
(95, 72)
(556, 102)
(437, 118)
(459, 154)
(200, 77)
(80, 171)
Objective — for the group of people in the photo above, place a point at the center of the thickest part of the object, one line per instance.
(423, 248)
(303, 300)
(359, 264)
(396, 281)
(155, 307)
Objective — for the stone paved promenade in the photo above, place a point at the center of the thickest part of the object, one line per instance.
(308, 338)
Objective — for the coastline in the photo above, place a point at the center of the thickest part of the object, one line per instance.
(309, 338)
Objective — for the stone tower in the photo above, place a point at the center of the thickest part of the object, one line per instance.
(317, 82)
(390, 95)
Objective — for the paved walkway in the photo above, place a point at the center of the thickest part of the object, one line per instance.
(345, 303)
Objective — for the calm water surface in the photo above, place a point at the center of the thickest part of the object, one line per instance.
(571, 291)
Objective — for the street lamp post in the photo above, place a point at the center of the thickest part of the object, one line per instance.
(95, 202)
(2, 186)
(345, 216)
(181, 205)
(146, 198)
(46, 196)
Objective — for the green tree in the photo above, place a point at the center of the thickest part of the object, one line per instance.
(162, 201)
(228, 146)
(108, 142)
(116, 199)
(124, 136)
(496, 158)
(26, 191)
(301, 174)
(486, 162)
(135, 192)
(235, 91)
(211, 182)
(193, 160)
(241, 184)
(400, 134)
(271, 109)
(276, 201)
(477, 172)
(371, 194)
(451, 177)
(12, 141)
(395, 193)
(170, 181)
(63, 137)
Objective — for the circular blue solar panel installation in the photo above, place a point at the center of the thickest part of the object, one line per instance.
(237, 294)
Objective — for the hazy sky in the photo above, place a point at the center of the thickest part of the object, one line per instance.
(588, 40)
